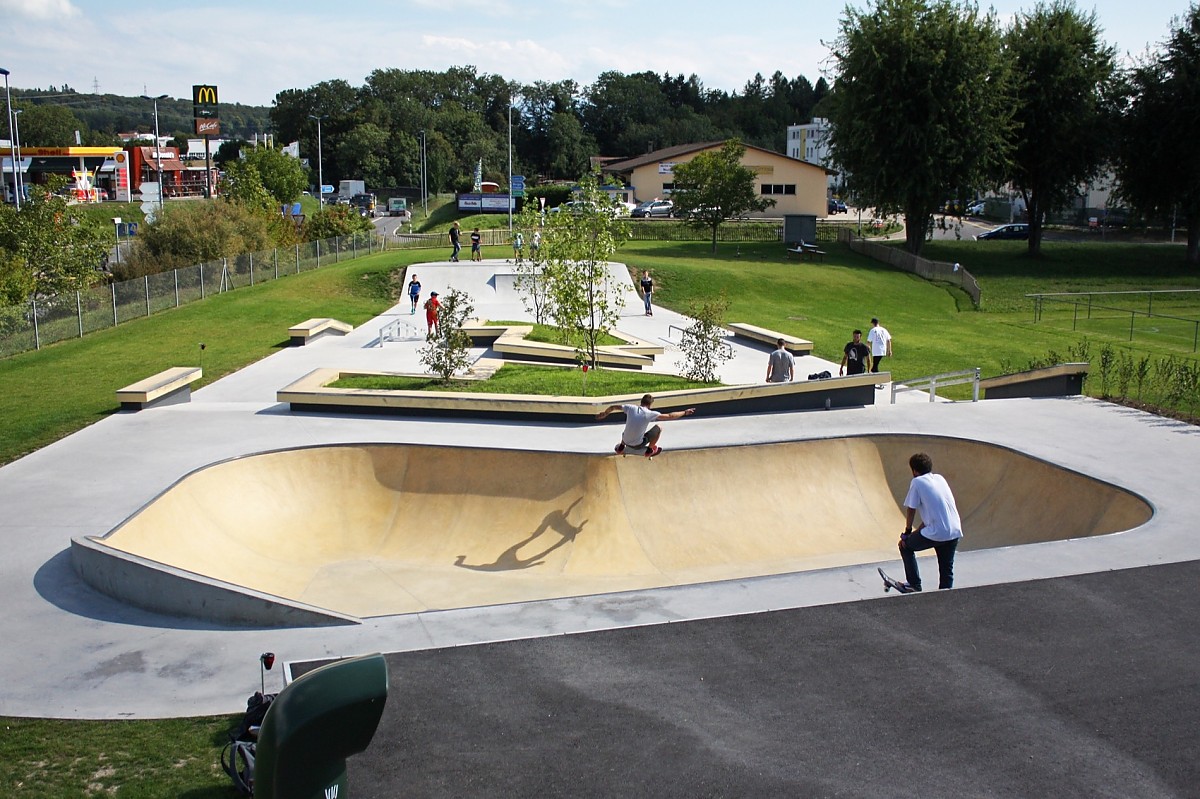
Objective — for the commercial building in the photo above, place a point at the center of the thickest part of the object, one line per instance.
(797, 187)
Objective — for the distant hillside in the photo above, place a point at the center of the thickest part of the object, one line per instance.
(109, 114)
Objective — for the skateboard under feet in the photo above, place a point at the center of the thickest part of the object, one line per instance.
(889, 584)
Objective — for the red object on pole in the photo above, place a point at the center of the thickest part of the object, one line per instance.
(585, 367)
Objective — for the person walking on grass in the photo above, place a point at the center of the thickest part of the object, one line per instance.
(414, 293)
(781, 365)
(881, 344)
(855, 356)
(638, 435)
(455, 233)
(940, 528)
(431, 315)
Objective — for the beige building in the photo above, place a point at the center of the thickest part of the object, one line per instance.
(796, 187)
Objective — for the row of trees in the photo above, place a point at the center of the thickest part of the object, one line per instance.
(933, 100)
(374, 132)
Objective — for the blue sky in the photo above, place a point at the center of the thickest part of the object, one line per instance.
(252, 50)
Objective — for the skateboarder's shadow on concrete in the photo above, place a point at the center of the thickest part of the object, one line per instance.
(554, 521)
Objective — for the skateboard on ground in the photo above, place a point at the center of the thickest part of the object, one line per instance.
(889, 584)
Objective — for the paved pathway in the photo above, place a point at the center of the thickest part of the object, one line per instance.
(72, 652)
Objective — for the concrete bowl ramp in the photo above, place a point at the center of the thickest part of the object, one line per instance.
(338, 533)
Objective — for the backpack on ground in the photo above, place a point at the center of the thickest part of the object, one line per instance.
(237, 758)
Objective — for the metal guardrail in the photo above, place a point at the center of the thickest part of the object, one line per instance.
(392, 330)
(932, 383)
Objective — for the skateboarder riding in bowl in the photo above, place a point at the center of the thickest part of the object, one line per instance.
(638, 435)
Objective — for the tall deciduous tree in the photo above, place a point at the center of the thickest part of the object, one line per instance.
(45, 249)
(920, 106)
(1159, 164)
(576, 248)
(714, 186)
(1064, 92)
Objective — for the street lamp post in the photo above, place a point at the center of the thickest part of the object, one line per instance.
(424, 189)
(157, 147)
(320, 163)
(18, 178)
(12, 142)
(117, 228)
(510, 192)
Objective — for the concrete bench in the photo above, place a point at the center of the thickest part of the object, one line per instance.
(792, 344)
(169, 387)
(313, 329)
(510, 341)
(1062, 380)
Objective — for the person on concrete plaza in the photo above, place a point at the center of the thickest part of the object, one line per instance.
(940, 528)
(781, 365)
(881, 344)
(638, 435)
(454, 242)
(647, 290)
(855, 356)
(414, 292)
(431, 314)
(476, 242)
(518, 246)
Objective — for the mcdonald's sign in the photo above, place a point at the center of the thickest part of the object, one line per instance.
(204, 102)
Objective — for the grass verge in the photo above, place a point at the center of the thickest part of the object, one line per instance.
(550, 381)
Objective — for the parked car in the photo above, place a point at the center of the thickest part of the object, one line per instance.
(836, 206)
(653, 208)
(580, 206)
(1018, 230)
(976, 208)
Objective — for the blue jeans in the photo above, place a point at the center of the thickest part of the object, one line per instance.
(912, 543)
(646, 297)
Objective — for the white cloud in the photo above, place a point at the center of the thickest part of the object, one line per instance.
(39, 9)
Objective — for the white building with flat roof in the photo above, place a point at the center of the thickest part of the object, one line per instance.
(810, 143)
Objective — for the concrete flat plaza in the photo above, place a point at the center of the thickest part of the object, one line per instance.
(820, 636)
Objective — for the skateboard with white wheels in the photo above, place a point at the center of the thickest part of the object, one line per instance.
(889, 584)
(624, 450)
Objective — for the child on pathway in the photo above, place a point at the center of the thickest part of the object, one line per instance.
(414, 293)
(431, 315)
(476, 241)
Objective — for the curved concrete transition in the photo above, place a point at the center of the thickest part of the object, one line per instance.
(376, 530)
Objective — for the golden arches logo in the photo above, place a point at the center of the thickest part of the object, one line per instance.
(204, 95)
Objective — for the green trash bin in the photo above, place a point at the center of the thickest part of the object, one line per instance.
(314, 724)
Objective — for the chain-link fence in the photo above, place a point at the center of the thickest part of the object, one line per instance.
(46, 320)
(906, 261)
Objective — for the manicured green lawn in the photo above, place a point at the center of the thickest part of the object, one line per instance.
(528, 379)
(549, 335)
(52, 393)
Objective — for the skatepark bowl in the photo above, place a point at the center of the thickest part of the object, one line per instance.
(356, 531)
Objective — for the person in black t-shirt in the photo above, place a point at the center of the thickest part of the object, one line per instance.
(855, 357)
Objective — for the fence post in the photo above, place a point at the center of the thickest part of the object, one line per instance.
(146, 278)
(37, 336)
(275, 258)
(318, 249)
(337, 249)
(114, 300)
(251, 257)
(975, 388)
(202, 280)
(79, 312)
(297, 258)
(354, 244)
(226, 283)
(175, 272)
(1131, 315)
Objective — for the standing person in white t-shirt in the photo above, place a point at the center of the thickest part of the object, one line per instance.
(881, 344)
(638, 435)
(940, 528)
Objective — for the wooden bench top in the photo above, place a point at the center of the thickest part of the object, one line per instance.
(790, 343)
(155, 386)
(313, 326)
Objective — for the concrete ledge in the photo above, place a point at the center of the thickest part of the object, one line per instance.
(169, 387)
(1063, 380)
(313, 329)
(164, 589)
(510, 340)
(310, 393)
(799, 346)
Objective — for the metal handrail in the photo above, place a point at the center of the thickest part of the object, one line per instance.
(390, 331)
(933, 381)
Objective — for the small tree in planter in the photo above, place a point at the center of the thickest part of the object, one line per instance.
(531, 283)
(447, 352)
(703, 344)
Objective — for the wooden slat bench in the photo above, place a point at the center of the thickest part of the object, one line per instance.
(313, 329)
(169, 387)
(792, 344)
